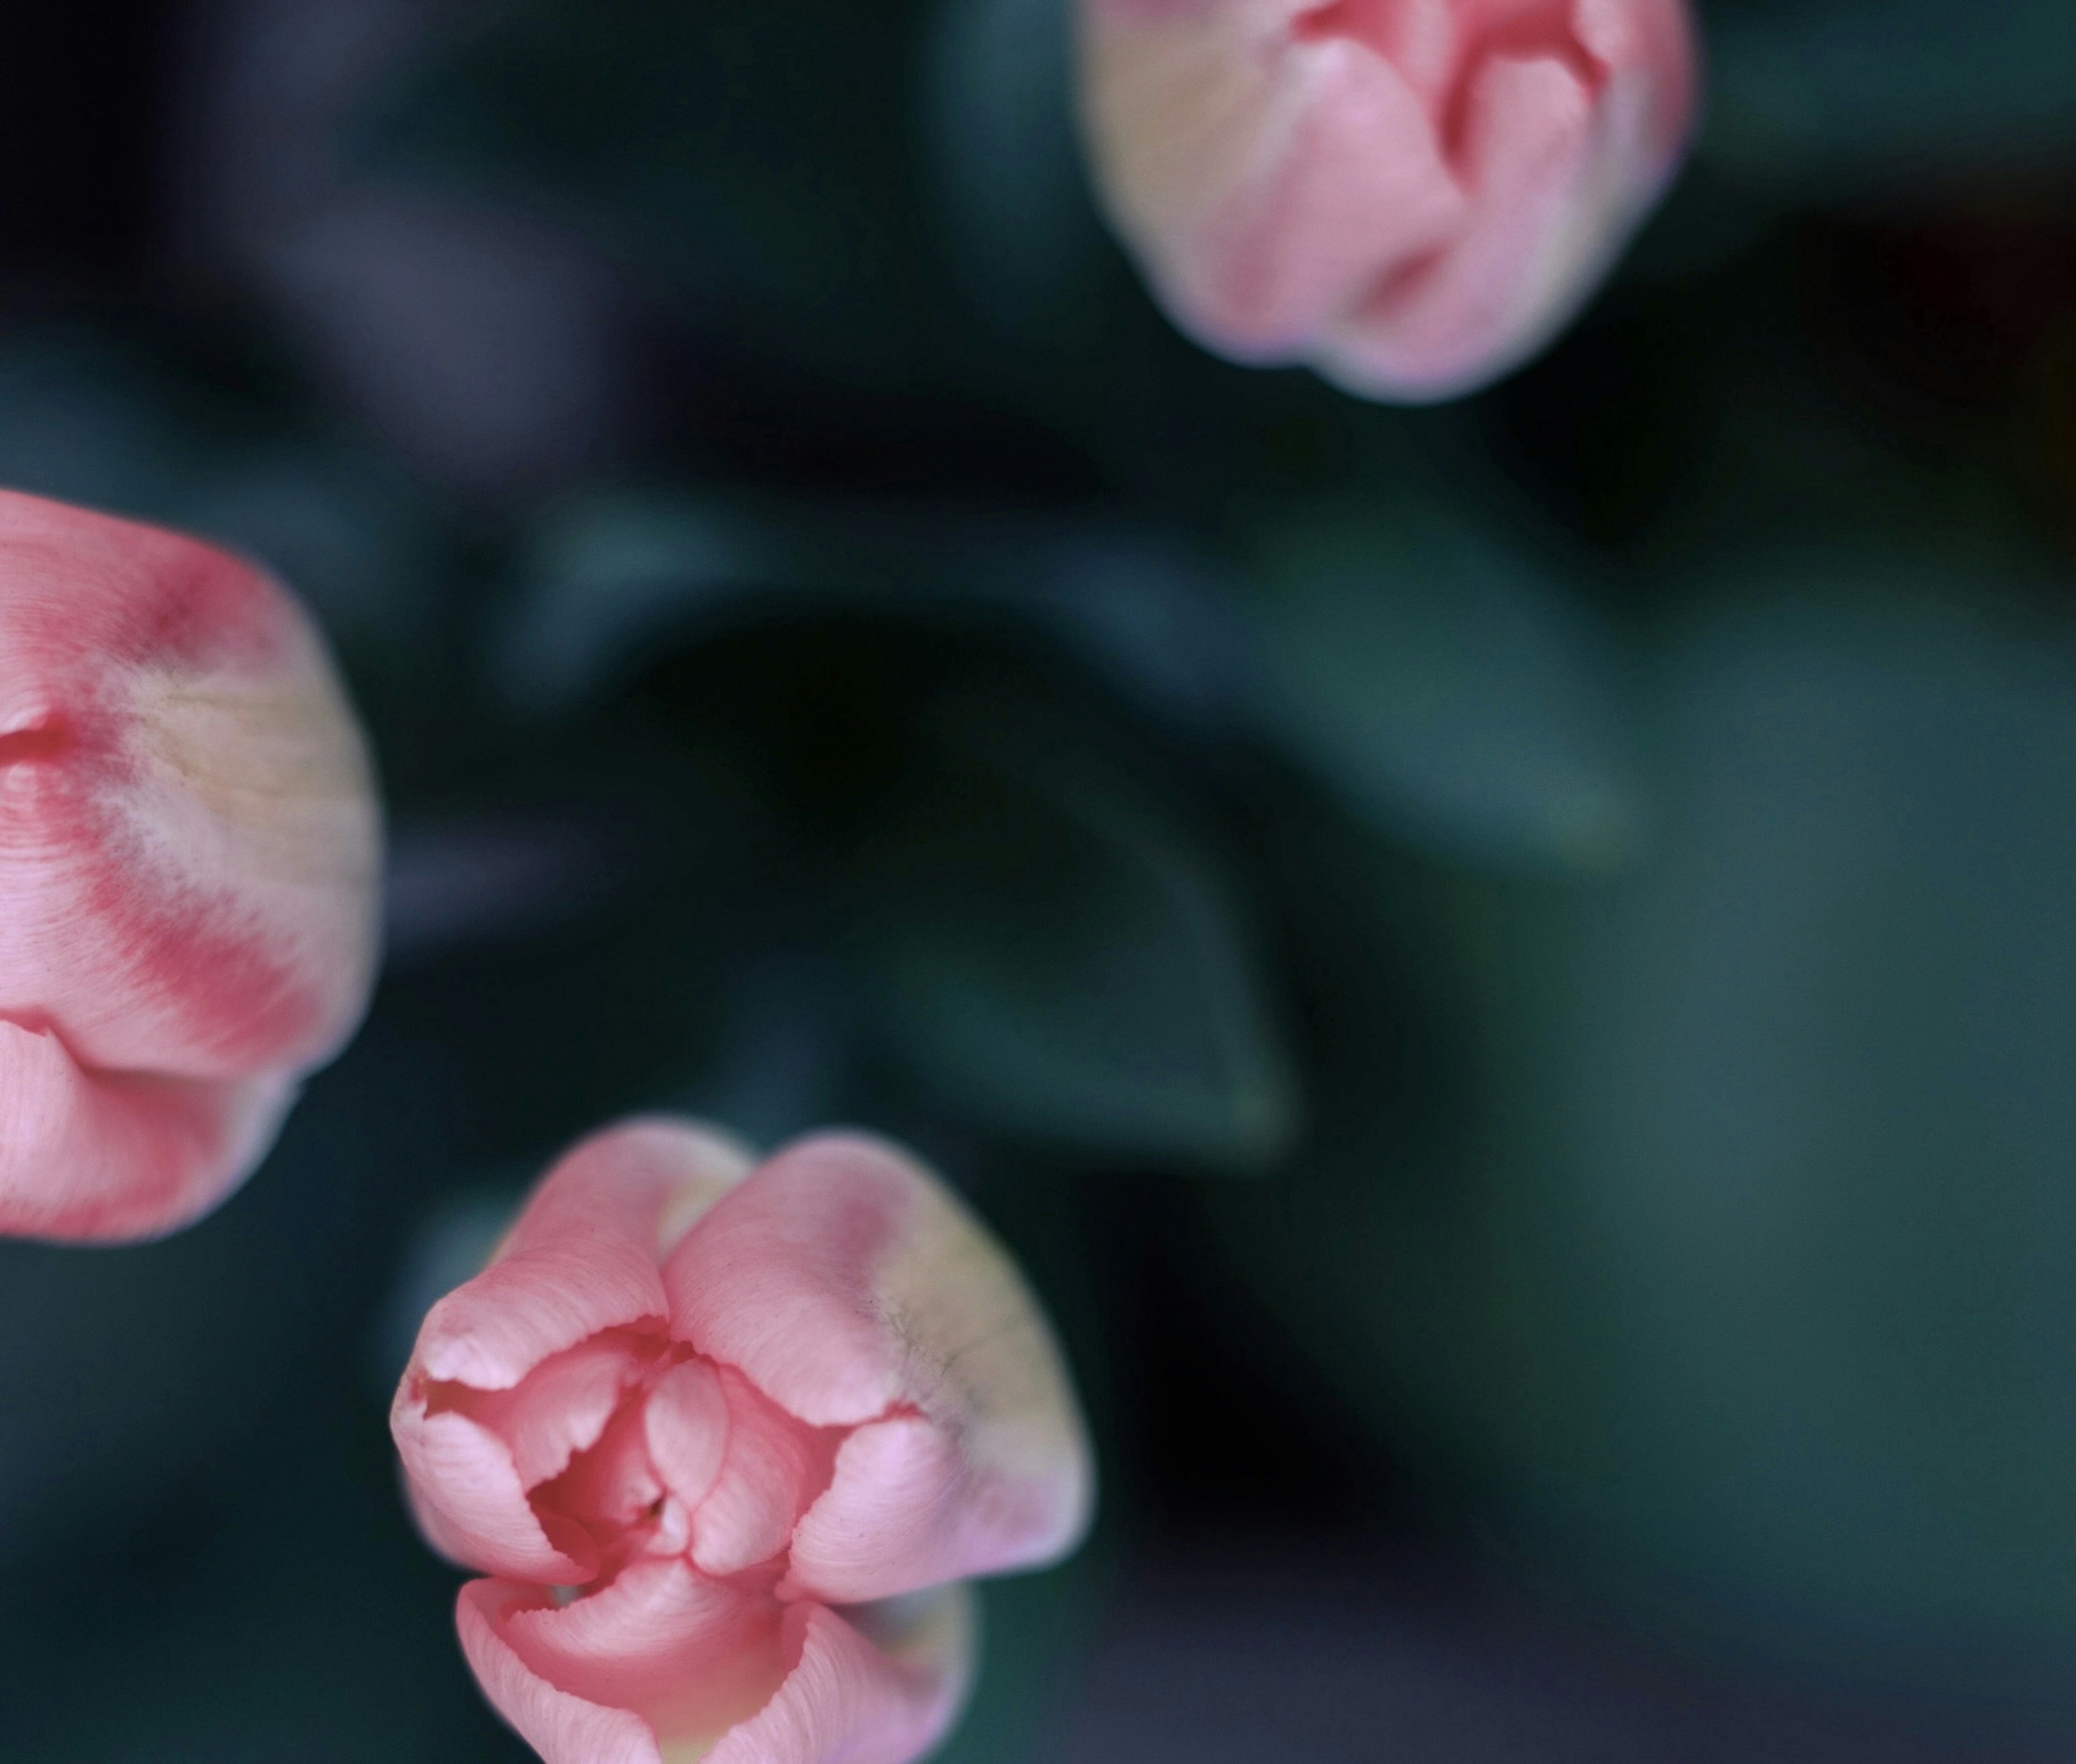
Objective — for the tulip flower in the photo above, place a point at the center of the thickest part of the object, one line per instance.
(188, 853)
(1412, 195)
(727, 1439)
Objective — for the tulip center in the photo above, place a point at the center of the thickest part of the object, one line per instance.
(610, 1487)
(651, 1449)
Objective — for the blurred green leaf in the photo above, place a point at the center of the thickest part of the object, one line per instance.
(1826, 96)
(755, 159)
(611, 576)
(1824, 1099)
(608, 578)
(1058, 960)
(85, 420)
(1447, 689)
(784, 1060)
(1007, 156)
(616, 889)
(352, 540)
(1737, 1273)
(1032, 1628)
(102, 422)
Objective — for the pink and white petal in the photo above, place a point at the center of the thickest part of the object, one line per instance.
(1187, 120)
(778, 1280)
(188, 829)
(853, 1698)
(1302, 180)
(1534, 249)
(689, 1654)
(1263, 170)
(88, 1156)
(774, 1467)
(582, 1257)
(846, 1282)
(1358, 191)
(466, 1491)
(561, 1408)
(563, 1729)
(908, 1509)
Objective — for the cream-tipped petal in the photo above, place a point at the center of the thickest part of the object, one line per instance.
(189, 830)
(850, 1286)
(909, 1508)
(1359, 185)
(189, 844)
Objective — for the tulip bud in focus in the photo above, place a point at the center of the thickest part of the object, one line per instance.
(1411, 195)
(188, 845)
(727, 1439)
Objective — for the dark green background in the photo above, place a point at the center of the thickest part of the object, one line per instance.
(1510, 968)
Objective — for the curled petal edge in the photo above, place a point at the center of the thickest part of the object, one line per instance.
(465, 1495)
(882, 1687)
(583, 1255)
(142, 1154)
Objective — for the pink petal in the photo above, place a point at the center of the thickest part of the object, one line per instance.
(777, 1280)
(467, 1494)
(1356, 186)
(564, 1729)
(616, 1486)
(686, 1427)
(656, 1665)
(582, 1256)
(691, 1656)
(1369, 185)
(849, 1699)
(773, 1466)
(1532, 250)
(1650, 45)
(101, 1157)
(909, 1508)
(188, 831)
(561, 1408)
(846, 1282)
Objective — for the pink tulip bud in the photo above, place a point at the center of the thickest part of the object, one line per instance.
(188, 854)
(727, 1439)
(1412, 195)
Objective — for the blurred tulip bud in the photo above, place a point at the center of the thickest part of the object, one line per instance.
(727, 1439)
(188, 841)
(1412, 195)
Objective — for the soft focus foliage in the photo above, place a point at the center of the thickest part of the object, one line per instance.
(1502, 967)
